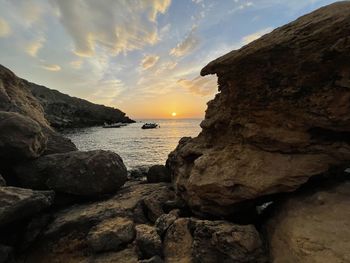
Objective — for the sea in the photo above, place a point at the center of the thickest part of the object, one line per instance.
(136, 146)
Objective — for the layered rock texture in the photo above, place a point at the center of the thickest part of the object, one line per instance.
(282, 116)
(63, 111)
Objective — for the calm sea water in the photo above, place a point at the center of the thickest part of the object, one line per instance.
(136, 146)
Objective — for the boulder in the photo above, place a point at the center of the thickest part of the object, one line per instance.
(111, 234)
(165, 221)
(20, 137)
(66, 235)
(5, 253)
(127, 255)
(148, 242)
(154, 204)
(157, 174)
(312, 226)
(85, 174)
(154, 259)
(2, 181)
(56, 143)
(18, 203)
(178, 242)
(194, 240)
(276, 122)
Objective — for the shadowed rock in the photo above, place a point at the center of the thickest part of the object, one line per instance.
(312, 227)
(86, 174)
(157, 174)
(20, 137)
(18, 203)
(282, 116)
(111, 234)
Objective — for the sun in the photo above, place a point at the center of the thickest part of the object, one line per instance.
(173, 114)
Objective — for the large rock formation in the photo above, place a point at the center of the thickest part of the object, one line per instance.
(312, 226)
(15, 96)
(63, 111)
(282, 116)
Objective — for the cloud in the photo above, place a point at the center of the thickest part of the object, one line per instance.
(51, 67)
(149, 61)
(5, 29)
(76, 64)
(249, 38)
(117, 26)
(202, 86)
(33, 47)
(187, 45)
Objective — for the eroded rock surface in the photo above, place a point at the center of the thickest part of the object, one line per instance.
(77, 173)
(66, 235)
(18, 203)
(21, 137)
(281, 117)
(312, 227)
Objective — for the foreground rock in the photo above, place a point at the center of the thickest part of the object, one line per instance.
(148, 242)
(65, 236)
(17, 203)
(63, 111)
(20, 137)
(87, 174)
(312, 227)
(276, 122)
(157, 174)
(111, 234)
(194, 240)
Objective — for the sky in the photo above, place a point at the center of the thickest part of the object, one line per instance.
(141, 56)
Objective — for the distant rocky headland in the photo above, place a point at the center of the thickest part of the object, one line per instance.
(265, 180)
(60, 110)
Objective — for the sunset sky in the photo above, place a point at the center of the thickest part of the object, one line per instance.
(141, 56)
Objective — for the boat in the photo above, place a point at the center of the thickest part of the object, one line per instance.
(150, 126)
(114, 125)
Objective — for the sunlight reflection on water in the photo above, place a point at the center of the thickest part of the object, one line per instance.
(137, 147)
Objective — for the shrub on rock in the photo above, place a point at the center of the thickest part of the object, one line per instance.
(77, 173)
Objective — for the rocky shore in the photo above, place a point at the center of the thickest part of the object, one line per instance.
(265, 180)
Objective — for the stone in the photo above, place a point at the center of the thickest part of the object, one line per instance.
(178, 242)
(154, 259)
(312, 226)
(148, 242)
(165, 221)
(276, 122)
(86, 174)
(195, 240)
(5, 253)
(18, 203)
(20, 137)
(157, 174)
(154, 203)
(111, 234)
(56, 143)
(222, 241)
(127, 255)
(2, 181)
(66, 235)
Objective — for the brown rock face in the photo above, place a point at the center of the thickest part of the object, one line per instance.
(312, 227)
(281, 117)
(21, 137)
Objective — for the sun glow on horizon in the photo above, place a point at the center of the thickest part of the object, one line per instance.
(173, 114)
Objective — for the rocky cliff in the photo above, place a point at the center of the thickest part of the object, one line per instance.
(63, 111)
(281, 117)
